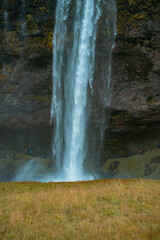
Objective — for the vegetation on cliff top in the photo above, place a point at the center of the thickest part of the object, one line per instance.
(131, 12)
(39, 17)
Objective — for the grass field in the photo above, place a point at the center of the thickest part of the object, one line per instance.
(103, 210)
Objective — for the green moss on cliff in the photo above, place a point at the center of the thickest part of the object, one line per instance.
(2, 78)
(39, 19)
(38, 98)
(145, 165)
(131, 12)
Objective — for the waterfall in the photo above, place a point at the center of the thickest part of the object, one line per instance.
(102, 92)
(60, 46)
(22, 18)
(6, 19)
(73, 72)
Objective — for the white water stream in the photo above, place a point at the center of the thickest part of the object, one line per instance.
(73, 72)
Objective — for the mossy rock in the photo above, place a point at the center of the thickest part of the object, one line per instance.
(146, 165)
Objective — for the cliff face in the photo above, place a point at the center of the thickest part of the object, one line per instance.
(26, 32)
(26, 62)
(135, 78)
(136, 57)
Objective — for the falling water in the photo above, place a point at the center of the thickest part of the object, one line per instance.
(6, 15)
(102, 91)
(22, 18)
(73, 71)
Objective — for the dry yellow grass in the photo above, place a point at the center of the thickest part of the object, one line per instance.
(98, 210)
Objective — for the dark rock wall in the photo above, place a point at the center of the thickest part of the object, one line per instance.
(135, 114)
(136, 57)
(26, 62)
